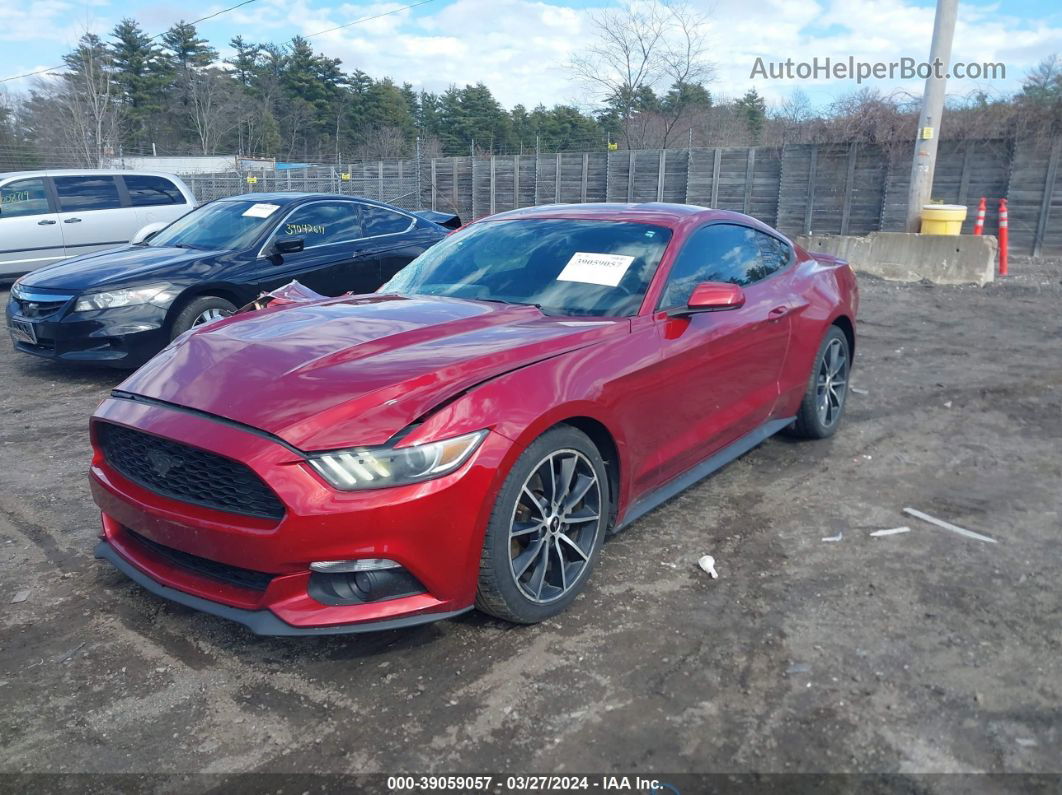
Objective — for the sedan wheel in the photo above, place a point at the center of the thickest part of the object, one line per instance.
(823, 405)
(546, 529)
(554, 526)
(832, 384)
(200, 311)
(209, 316)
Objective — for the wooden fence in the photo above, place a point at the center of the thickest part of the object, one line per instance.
(847, 188)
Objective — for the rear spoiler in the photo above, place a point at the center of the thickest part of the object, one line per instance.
(448, 220)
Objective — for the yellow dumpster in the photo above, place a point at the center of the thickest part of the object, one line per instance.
(943, 219)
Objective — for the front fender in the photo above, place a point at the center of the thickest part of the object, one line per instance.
(522, 405)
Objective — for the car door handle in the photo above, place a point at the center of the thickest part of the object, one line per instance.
(778, 312)
(71, 220)
(45, 222)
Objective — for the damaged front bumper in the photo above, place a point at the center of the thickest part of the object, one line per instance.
(256, 570)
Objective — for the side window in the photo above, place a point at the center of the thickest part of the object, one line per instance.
(322, 223)
(774, 254)
(723, 253)
(77, 194)
(381, 221)
(23, 197)
(145, 191)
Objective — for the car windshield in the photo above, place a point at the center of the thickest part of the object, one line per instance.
(229, 225)
(565, 267)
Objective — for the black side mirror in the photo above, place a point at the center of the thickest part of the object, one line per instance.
(288, 245)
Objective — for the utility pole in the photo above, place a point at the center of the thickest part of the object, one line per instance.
(928, 134)
(418, 201)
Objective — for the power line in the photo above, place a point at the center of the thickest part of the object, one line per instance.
(368, 19)
(152, 38)
(232, 8)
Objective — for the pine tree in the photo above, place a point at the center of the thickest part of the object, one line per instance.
(245, 62)
(753, 111)
(140, 75)
(188, 50)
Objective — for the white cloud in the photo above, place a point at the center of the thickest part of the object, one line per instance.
(520, 47)
(876, 30)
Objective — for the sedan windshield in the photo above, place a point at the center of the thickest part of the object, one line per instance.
(562, 266)
(229, 225)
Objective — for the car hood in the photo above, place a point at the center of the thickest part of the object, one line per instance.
(118, 267)
(354, 370)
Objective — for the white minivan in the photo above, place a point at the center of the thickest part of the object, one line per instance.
(47, 216)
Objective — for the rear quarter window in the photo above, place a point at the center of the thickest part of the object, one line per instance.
(381, 221)
(147, 191)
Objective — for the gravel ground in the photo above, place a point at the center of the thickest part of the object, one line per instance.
(920, 652)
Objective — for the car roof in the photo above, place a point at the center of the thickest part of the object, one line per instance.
(86, 172)
(291, 197)
(661, 213)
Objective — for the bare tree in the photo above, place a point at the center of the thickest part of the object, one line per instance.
(84, 98)
(792, 117)
(641, 48)
(212, 107)
(684, 67)
(383, 143)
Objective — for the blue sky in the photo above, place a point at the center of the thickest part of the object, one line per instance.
(520, 47)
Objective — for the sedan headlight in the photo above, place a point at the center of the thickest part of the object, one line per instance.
(380, 467)
(160, 295)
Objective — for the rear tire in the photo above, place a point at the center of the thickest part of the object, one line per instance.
(199, 311)
(545, 533)
(822, 408)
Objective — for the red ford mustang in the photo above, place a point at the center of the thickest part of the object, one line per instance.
(467, 436)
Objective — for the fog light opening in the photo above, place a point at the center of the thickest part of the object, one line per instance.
(350, 566)
(362, 585)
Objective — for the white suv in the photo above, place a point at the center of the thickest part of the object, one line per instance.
(47, 216)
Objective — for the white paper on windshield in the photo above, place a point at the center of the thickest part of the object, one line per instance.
(261, 210)
(603, 269)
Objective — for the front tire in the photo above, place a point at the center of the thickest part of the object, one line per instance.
(545, 533)
(198, 312)
(824, 400)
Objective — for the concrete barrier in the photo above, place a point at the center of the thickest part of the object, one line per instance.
(905, 257)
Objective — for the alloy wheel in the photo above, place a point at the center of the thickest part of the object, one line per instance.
(832, 383)
(554, 526)
(209, 316)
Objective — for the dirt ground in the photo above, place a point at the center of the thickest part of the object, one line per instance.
(920, 652)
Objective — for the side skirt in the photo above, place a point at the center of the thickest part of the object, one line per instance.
(734, 450)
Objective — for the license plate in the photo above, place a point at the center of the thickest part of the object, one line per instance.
(22, 331)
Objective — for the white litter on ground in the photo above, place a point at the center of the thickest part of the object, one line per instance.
(891, 532)
(925, 517)
(20, 596)
(858, 391)
(837, 537)
(708, 564)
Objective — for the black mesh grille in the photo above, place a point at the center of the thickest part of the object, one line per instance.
(186, 473)
(233, 575)
(38, 309)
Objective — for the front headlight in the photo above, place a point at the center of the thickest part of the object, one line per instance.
(160, 295)
(380, 467)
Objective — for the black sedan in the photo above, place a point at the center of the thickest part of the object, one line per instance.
(122, 306)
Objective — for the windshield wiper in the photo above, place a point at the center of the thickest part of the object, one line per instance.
(510, 303)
